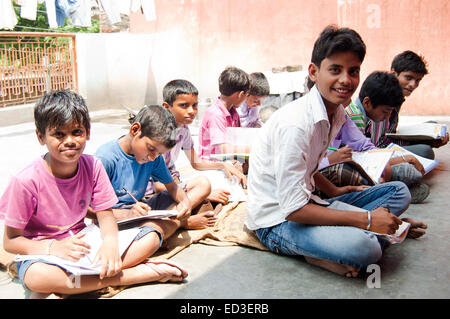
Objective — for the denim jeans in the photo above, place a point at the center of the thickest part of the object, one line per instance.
(342, 244)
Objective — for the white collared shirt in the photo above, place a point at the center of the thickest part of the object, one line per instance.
(285, 157)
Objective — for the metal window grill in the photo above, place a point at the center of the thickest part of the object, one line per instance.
(33, 63)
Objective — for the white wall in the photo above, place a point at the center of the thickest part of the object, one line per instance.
(115, 69)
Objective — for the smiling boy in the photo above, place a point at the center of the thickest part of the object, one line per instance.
(282, 209)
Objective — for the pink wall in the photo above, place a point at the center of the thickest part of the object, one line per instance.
(196, 39)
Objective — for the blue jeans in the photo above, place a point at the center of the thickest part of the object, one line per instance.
(342, 244)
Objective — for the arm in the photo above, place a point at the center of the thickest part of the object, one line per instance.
(184, 205)
(108, 254)
(382, 222)
(323, 184)
(230, 170)
(72, 248)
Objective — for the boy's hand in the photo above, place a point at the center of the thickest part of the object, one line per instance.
(108, 256)
(414, 161)
(231, 171)
(140, 209)
(71, 248)
(384, 222)
(344, 154)
(441, 142)
(348, 189)
(184, 209)
(219, 196)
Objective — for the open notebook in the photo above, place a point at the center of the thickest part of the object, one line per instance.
(396, 238)
(427, 164)
(84, 266)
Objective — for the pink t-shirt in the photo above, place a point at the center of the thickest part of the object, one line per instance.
(213, 130)
(48, 207)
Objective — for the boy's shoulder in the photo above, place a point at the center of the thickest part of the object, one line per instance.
(353, 109)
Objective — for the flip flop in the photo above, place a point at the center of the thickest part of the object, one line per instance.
(184, 272)
(416, 229)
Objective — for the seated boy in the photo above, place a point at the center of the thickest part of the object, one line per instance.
(281, 209)
(380, 95)
(410, 69)
(234, 85)
(47, 202)
(249, 109)
(132, 159)
(181, 99)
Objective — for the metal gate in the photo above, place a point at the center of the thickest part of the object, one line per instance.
(33, 63)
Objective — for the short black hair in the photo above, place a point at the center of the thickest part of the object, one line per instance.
(158, 124)
(259, 85)
(382, 88)
(232, 80)
(58, 108)
(175, 87)
(333, 40)
(409, 61)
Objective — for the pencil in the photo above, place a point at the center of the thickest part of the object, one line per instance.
(134, 198)
(332, 148)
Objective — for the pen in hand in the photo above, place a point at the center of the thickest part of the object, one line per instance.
(140, 209)
(131, 195)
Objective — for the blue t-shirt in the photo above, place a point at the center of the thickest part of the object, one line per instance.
(124, 171)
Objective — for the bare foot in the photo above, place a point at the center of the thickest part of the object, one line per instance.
(340, 269)
(200, 221)
(416, 229)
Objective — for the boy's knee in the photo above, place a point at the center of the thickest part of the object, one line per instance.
(366, 250)
(38, 278)
(204, 185)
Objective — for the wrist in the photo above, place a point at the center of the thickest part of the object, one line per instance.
(369, 220)
(49, 246)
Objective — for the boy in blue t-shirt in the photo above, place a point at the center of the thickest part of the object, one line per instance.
(135, 157)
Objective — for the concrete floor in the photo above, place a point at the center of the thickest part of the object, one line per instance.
(413, 269)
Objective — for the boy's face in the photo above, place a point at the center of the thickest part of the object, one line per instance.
(337, 78)
(65, 144)
(239, 97)
(184, 108)
(255, 100)
(409, 81)
(379, 113)
(144, 149)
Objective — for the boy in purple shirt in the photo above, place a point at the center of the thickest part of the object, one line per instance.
(234, 85)
(249, 109)
(44, 208)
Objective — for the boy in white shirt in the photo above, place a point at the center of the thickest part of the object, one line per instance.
(282, 210)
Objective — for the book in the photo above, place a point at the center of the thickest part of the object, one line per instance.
(219, 180)
(396, 238)
(427, 164)
(420, 132)
(152, 214)
(84, 265)
(371, 163)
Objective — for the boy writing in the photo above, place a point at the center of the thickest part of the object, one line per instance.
(47, 202)
(281, 209)
(132, 159)
(410, 69)
(234, 85)
(181, 99)
(249, 109)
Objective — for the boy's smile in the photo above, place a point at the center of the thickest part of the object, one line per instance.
(337, 78)
(65, 145)
(409, 81)
(184, 108)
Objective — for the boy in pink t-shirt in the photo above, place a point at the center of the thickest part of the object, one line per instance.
(45, 204)
(234, 85)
